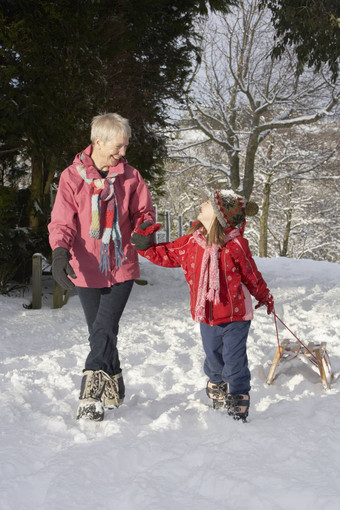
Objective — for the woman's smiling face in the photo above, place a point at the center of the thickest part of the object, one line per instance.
(109, 153)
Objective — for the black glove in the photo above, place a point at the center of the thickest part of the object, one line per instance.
(143, 241)
(61, 268)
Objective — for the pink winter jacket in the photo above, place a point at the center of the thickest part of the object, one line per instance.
(239, 276)
(71, 218)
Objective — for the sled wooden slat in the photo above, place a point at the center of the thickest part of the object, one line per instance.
(277, 357)
(316, 354)
(320, 356)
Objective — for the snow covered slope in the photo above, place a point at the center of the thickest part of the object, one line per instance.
(165, 448)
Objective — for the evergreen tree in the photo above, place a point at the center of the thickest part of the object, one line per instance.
(64, 61)
(312, 27)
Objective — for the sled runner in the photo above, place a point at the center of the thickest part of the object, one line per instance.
(314, 354)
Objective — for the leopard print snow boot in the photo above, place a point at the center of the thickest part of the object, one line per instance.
(90, 404)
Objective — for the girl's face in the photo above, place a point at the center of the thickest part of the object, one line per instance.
(206, 215)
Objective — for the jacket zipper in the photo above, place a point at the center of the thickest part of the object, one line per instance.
(194, 277)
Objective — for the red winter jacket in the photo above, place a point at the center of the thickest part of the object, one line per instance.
(71, 218)
(238, 275)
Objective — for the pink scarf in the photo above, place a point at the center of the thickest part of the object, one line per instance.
(209, 282)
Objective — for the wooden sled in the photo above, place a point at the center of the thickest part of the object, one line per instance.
(314, 354)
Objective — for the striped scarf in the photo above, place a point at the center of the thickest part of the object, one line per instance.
(209, 282)
(103, 189)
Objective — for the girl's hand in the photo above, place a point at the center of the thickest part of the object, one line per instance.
(144, 235)
(267, 301)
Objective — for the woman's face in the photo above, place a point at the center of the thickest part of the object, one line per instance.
(109, 153)
(207, 215)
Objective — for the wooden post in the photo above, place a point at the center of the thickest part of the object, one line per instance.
(167, 226)
(156, 220)
(36, 281)
(60, 296)
(180, 226)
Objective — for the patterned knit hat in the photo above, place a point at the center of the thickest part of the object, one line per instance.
(230, 208)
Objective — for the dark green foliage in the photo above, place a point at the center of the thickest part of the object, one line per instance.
(17, 245)
(63, 62)
(312, 27)
(13, 207)
(17, 242)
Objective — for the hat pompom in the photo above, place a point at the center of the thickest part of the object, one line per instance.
(251, 209)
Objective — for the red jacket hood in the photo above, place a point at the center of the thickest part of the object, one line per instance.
(84, 158)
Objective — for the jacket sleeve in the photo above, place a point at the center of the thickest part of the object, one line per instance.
(167, 254)
(63, 225)
(251, 276)
(141, 203)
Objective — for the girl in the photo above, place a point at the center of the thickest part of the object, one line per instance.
(221, 274)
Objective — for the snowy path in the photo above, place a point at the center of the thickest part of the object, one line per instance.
(165, 448)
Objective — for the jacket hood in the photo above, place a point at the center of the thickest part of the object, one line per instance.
(241, 229)
(84, 158)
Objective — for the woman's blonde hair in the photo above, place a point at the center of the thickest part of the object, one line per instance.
(109, 125)
(215, 235)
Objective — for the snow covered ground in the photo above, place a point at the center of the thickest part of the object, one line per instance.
(165, 448)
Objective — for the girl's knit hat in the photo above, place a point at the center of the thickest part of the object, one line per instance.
(230, 208)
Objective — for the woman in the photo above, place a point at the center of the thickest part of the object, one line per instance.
(99, 202)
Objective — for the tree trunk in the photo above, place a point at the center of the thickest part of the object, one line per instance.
(43, 170)
(249, 163)
(289, 215)
(234, 157)
(263, 244)
(36, 190)
(248, 179)
(49, 174)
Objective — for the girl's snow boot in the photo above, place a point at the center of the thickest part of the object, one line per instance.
(217, 393)
(90, 404)
(114, 390)
(238, 406)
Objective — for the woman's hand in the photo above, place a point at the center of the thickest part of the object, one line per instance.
(61, 268)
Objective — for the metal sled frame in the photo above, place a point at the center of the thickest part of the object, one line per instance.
(314, 354)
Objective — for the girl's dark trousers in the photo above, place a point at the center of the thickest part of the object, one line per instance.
(103, 309)
(225, 346)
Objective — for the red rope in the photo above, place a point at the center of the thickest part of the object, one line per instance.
(277, 317)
